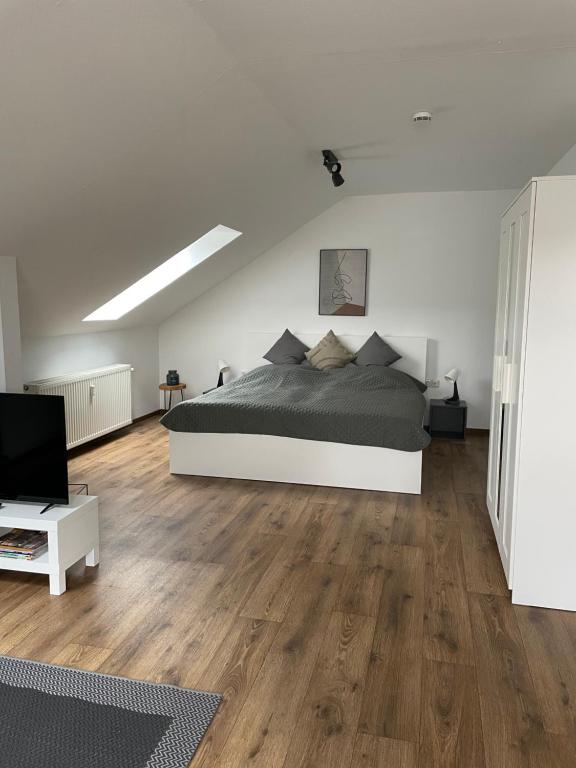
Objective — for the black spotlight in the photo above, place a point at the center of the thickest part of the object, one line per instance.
(334, 167)
(337, 179)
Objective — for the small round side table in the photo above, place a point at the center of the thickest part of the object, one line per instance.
(172, 388)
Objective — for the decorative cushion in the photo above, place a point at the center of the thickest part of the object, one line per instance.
(329, 353)
(375, 351)
(287, 350)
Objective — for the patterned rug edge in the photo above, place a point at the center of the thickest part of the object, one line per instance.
(191, 710)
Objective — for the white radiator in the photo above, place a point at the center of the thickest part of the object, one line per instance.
(96, 402)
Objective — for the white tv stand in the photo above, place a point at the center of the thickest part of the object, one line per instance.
(72, 535)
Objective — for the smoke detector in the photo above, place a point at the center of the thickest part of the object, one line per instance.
(422, 117)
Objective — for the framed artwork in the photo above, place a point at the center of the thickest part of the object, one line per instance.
(343, 281)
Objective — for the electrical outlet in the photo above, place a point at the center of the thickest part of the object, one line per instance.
(433, 383)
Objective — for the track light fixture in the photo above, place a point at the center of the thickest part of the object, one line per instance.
(333, 166)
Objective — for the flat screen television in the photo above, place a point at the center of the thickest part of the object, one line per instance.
(33, 460)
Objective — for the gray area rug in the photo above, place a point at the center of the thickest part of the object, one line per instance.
(53, 716)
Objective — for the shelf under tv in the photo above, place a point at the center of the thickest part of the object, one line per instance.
(40, 564)
(72, 535)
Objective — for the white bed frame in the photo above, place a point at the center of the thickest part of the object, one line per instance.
(309, 462)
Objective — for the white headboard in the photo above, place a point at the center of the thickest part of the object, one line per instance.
(412, 348)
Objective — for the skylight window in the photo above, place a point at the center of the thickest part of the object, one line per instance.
(165, 274)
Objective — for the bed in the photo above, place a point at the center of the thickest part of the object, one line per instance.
(350, 427)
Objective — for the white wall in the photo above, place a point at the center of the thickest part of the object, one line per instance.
(566, 166)
(54, 355)
(10, 342)
(432, 272)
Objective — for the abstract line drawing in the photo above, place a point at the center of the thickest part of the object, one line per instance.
(343, 281)
(340, 295)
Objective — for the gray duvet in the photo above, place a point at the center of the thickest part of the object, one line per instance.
(370, 405)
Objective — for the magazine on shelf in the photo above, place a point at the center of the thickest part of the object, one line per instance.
(21, 544)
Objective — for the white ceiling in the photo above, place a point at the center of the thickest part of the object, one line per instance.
(131, 128)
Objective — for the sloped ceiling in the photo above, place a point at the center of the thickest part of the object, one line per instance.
(131, 128)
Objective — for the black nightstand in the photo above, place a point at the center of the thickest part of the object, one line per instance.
(448, 420)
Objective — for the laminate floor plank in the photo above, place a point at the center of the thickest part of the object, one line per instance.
(14, 594)
(364, 576)
(235, 536)
(361, 590)
(172, 646)
(552, 663)
(59, 622)
(482, 564)
(470, 464)
(440, 505)
(12, 635)
(267, 722)
(87, 657)
(391, 704)
(512, 717)
(378, 752)
(273, 594)
(327, 726)
(447, 629)
(563, 750)
(340, 527)
(239, 581)
(437, 467)
(177, 640)
(232, 672)
(409, 525)
(451, 727)
(285, 508)
(375, 531)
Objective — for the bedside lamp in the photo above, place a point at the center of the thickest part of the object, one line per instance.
(222, 368)
(452, 376)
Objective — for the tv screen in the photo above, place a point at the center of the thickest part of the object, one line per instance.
(33, 460)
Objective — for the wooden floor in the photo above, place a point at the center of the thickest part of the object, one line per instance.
(346, 629)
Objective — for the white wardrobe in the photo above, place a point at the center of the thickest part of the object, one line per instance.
(532, 462)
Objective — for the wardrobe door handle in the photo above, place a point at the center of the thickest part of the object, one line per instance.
(497, 377)
(508, 383)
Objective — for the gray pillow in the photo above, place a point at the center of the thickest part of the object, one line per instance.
(375, 351)
(287, 350)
